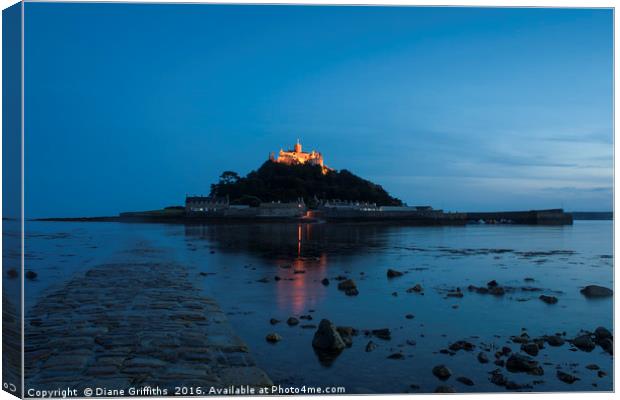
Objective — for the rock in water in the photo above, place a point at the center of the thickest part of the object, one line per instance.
(522, 363)
(370, 346)
(607, 345)
(548, 299)
(442, 372)
(349, 287)
(384, 333)
(347, 284)
(273, 337)
(292, 321)
(273, 321)
(12, 273)
(530, 348)
(445, 389)
(346, 333)
(584, 343)
(327, 338)
(602, 333)
(31, 275)
(594, 291)
(465, 381)
(396, 356)
(482, 358)
(497, 291)
(461, 345)
(554, 340)
(392, 273)
(497, 378)
(325, 282)
(417, 288)
(567, 378)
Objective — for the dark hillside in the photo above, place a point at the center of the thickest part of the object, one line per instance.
(280, 182)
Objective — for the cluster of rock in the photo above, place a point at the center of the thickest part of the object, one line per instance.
(584, 341)
(492, 287)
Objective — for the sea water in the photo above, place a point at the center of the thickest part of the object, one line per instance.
(237, 265)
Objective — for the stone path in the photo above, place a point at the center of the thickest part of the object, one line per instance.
(133, 325)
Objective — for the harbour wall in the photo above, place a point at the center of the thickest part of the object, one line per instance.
(532, 217)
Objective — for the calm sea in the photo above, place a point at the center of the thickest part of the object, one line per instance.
(242, 261)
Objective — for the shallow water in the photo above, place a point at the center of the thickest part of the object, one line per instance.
(236, 258)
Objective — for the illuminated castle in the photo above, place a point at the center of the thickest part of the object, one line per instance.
(297, 157)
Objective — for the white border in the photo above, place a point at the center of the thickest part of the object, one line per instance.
(476, 3)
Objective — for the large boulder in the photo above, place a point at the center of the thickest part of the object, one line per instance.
(595, 291)
(327, 339)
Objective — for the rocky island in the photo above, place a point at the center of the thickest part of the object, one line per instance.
(298, 186)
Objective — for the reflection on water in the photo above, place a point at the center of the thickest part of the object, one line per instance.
(300, 252)
(291, 241)
(559, 259)
(264, 271)
(288, 247)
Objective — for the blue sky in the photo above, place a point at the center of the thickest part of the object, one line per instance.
(132, 106)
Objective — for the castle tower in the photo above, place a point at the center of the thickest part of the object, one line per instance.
(297, 147)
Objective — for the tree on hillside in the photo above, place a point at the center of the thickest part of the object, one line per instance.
(229, 178)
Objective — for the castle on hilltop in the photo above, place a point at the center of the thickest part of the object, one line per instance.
(297, 157)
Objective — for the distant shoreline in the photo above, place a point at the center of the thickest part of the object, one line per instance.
(181, 219)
